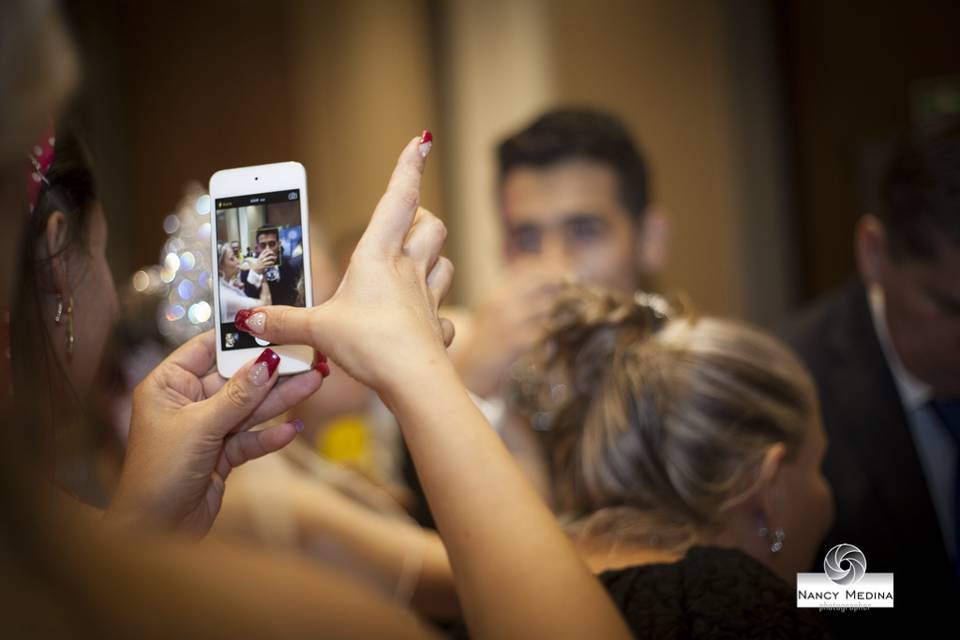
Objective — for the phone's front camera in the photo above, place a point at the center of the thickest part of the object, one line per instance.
(256, 177)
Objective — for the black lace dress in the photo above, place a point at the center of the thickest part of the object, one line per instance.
(710, 593)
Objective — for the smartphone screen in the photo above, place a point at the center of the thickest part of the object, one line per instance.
(259, 258)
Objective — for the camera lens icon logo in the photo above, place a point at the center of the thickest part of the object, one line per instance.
(845, 564)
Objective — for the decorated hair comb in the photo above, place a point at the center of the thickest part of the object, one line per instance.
(41, 159)
(656, 303)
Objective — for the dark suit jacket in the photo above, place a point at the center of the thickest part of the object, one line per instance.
(883, 504)
(284, 291)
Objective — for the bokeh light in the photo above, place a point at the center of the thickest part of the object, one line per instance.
(171, 262)
(200, 312)
(187, 260)
(203, 205)
(173, 245)
(141, 280)
(171, 223)
(185, 289)
(182, 280)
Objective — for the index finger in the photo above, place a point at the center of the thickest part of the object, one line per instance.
(394, 213)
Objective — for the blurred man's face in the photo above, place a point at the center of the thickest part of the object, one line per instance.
(267, 241)
(923, 311)
(568, 218)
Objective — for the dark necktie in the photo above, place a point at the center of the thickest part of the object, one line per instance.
(949, 414)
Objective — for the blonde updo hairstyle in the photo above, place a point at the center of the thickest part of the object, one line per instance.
(656, 422)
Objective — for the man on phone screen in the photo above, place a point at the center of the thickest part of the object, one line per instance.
(283, 273)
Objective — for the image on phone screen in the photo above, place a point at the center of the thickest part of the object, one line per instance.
(259, 258)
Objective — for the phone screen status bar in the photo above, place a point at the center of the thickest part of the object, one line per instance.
(263, 198)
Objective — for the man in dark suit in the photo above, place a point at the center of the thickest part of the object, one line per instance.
(885, 354)
(286, 290)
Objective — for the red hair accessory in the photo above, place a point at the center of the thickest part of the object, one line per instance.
(41, 159)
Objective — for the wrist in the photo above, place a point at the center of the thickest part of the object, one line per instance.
(126, 514)
(135, 504)
(428, 375)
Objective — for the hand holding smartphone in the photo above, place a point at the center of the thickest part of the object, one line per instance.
(261, 210)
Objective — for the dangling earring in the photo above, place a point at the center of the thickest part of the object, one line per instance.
(776, 542)
(70, 336)
(58, 318)
(778, 536)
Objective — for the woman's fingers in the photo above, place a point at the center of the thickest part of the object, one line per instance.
(250, 445)
(449, 330)
(395, 212)
(424, 241)
(242, 394)
(439, 279)
(286, 394)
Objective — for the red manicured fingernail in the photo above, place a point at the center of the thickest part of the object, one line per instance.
(426, 142)
(250, 320)
(270, 357)
(320, 363)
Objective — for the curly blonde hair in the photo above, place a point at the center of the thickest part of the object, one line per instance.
(655, 421)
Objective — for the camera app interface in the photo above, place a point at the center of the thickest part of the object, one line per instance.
(259, 258)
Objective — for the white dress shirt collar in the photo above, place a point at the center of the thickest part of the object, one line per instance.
(914, 393)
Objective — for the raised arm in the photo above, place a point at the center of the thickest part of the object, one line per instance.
(517, 574)
(265, 296)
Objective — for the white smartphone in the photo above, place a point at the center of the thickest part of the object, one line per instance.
(260, 242)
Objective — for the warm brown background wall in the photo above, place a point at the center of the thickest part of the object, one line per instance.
(853, 70)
